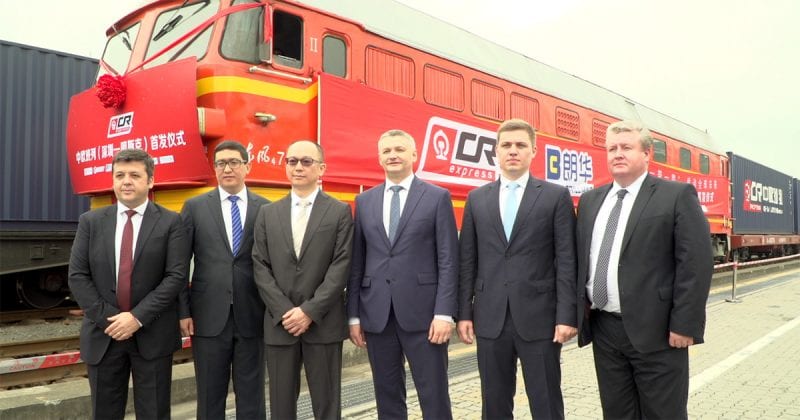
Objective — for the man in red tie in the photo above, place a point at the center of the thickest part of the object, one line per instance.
(128, 265)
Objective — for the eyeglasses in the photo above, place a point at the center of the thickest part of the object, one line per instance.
(232, 163)
(306, 161)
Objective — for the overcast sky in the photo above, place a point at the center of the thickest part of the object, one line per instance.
(730, 67)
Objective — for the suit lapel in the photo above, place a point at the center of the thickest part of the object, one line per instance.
(149, 220)
(253, 206)
(493, 207)
(647, 190)
(413, 198)
(215, 207)
(318, 211)
(284, 209)
(591, 209)
(109, 232)
(377, 212)
(529, 195)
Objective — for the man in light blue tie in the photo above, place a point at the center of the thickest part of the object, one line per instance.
(517, 279)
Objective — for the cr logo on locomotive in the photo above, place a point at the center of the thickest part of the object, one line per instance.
(120, 124)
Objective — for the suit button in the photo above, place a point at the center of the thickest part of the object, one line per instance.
(388, 281)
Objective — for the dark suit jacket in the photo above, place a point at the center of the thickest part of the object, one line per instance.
(159, 274)
(665, 263)
(314, 280)
(219, 278)
(417, 276)
(532, 274)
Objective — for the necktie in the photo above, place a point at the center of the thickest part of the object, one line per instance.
(299, 225)
(600, 288)
(394, 212)
(125, 265)
(510, 210)
(236, 225)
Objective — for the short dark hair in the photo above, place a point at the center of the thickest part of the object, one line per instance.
(135, 155)
(232, 145)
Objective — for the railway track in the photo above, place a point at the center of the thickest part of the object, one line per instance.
(51, 363)
(22, 315)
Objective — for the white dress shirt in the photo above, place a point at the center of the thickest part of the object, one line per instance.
(616, 247)
(122, 218)
(387, 198)
(296, 202)
(226, 210)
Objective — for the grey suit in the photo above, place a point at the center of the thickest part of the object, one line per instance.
(159, 274)
(515, 291)
(315, 282)
(228, 315)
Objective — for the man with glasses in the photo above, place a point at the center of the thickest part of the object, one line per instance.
(221, 310)
(301, 257)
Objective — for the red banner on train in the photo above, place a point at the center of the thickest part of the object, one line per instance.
(159, 116)
(458, 152)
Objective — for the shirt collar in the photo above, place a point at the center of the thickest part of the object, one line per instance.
(633, 189)
(121, 208)
(223, 195)
(310, 198)
(405, 183)
(522, 181)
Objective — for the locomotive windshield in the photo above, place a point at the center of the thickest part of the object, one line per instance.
(119, 49)
(174, 23)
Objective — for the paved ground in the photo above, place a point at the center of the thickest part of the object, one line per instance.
(749, 367)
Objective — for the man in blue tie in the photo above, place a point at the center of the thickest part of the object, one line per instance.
(517, 279)
(402, 290)
(221, 310)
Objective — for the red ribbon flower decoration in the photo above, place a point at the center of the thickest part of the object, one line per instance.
(111, 90)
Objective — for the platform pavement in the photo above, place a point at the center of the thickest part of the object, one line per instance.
(749, 367)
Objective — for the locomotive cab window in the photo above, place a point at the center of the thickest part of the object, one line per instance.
(659, 151)
(172, 24)
(686, 158)
(243, 32)
(705, 166)
(334, 56)
(287, 38)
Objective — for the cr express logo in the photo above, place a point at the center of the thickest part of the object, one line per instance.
(457, 153)
(760, 198)
(120, 125)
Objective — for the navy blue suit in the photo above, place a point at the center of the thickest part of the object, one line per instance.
(396, 289)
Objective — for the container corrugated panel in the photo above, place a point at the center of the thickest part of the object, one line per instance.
(797, 206)
(763, 198)
(36, 86)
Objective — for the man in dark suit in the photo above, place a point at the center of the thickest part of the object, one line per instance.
(301, 255)
(644, 270)
(517, 279)
(402, 292)
(221, 310)
(127, 267)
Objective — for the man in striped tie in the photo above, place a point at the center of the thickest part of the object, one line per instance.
(644, 270)
(221, 309)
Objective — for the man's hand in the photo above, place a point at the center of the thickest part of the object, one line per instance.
(357, 336)
(680, 341)
(439, 332)
(564, 333)
(465, 332)
(122, 326)
(295, 321)
(187, 327)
